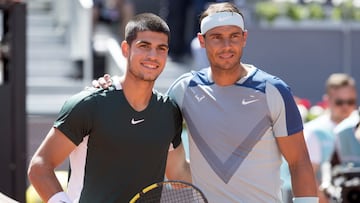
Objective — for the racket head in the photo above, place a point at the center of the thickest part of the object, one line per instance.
(170, 191)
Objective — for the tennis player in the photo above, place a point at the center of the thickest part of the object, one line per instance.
(117, 139)
(241, 120)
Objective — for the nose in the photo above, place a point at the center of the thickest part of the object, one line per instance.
(152, 53)
(227, 43)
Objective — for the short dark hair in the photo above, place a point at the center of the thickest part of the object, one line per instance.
(145, 22)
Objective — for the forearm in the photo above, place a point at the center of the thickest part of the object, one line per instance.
(180, 172)
(44, 181)
(303, 180)
(177, 167)
(185, 175)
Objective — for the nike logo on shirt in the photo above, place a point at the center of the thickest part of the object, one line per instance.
(134, 122)
(198, 98)
(246, 102)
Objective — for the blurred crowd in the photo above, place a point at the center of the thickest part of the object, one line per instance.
(181, 15)
(331, 131)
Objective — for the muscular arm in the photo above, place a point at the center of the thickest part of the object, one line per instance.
(55, 148)
(295, 152)
(177, 167)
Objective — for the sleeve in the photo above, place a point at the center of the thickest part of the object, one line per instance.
(286, 118)
(75, 117)
(177, 89)
(178, 121)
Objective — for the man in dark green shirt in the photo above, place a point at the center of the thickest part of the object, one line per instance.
(117, 139)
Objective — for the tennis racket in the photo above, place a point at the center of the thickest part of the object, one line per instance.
(170, 192)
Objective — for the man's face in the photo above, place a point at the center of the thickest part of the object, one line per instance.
(342, 101)
(224, 46)
(146, 55)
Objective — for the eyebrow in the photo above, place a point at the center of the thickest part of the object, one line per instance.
(149, 43)
(220, 33)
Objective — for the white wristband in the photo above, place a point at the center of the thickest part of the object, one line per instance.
(305, 200)
(59, 197)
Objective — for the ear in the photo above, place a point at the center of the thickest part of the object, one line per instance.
(125, 48)
(201, 40)
(245, 37)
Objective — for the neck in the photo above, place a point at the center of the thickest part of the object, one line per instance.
(137, 93)
(228, 77)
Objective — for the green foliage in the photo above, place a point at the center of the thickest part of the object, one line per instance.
(316, 11)
(346, 11)
(297, 12)
(267, 10)
(356, 15)
(270, 11)
(336, 14)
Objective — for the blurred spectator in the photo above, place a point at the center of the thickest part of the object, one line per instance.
(113, 13)
(319, 133)
(109, 20)
(9, 1)
(347, 147)
(176, 12)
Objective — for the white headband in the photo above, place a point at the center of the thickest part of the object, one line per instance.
(221, 19)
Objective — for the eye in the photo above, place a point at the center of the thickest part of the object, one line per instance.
(236, 36)
(217, 37)
(163, 48)
(144, 46)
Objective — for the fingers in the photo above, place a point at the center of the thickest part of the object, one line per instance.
(107, 79)
(95, 83)
(102, 82)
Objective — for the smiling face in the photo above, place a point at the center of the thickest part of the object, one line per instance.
(146, 55)
(224, 46)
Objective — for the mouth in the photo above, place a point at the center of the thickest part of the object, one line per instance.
(150, 65)
(226, 55)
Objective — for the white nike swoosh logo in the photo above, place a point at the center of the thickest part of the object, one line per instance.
(134, 122)
(246, 102)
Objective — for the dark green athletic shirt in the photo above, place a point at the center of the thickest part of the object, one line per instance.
(119, 150)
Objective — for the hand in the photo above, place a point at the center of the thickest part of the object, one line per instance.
(103, 82)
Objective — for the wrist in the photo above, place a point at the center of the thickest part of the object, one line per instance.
(305, 200)
(59, 197)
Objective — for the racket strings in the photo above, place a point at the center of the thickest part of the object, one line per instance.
(172, 192)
